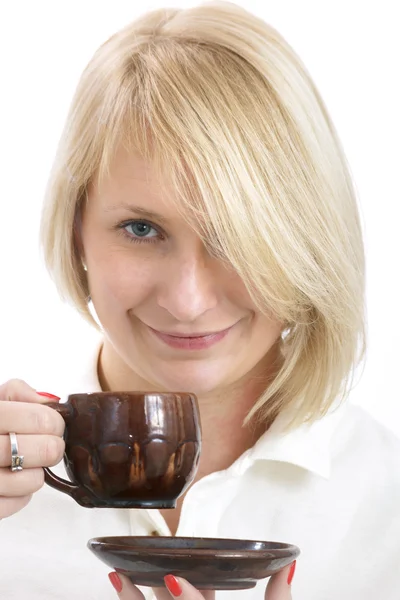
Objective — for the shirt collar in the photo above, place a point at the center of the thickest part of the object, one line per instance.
(308, 446)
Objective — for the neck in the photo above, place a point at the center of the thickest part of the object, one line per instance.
(222, 411)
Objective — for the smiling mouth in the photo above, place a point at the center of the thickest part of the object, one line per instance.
(192, 341)
(191, 335)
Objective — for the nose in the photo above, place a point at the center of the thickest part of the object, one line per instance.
(189, 286)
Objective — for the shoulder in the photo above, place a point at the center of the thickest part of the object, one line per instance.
(358, 421)
(363, 442)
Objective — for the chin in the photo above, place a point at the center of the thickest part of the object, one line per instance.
(199, 382)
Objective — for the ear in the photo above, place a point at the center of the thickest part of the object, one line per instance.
(77, 235)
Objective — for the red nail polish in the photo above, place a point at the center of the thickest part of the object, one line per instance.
(291, 573)
(173, 585)
(46, 395)
(115, 580)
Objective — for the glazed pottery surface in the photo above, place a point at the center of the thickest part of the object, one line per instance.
(128, 449)
(207, 563)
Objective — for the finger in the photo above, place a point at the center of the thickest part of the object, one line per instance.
(37, 450)
(182, 589)
(9, 506)
(24, 417)
(23, 483)
(17, 390)
(127, 591)
(124, 587)
(279, 586)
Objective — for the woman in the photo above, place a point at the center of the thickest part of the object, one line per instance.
(201, 214)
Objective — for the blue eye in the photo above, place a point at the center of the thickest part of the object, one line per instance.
(141, 229)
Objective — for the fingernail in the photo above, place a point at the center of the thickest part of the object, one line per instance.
(291, 573)
(46, 395)
(173, 585)
(115, 580)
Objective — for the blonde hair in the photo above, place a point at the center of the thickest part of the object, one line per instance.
(223, 106)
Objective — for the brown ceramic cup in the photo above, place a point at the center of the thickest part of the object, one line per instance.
(128, 449)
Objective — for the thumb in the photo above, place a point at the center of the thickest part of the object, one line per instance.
(17, 390)
(279, 586)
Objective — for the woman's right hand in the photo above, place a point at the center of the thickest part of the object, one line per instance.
(39, 430)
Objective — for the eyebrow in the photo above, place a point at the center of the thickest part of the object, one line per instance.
(138, 210)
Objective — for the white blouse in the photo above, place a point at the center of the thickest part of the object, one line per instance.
(331, 488)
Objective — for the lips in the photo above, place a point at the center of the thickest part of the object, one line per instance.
(192, 341)
(191, 335)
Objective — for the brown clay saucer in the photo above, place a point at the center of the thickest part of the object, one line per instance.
(207, 563)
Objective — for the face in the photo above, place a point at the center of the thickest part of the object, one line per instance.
(173, 315)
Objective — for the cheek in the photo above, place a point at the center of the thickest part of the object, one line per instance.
(264, 322)
(236, 288)
(121, 279)
(268, 330)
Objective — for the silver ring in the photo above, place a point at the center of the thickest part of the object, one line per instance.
(16, 459)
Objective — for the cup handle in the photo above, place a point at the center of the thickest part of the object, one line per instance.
(54, 481)
(60, 484)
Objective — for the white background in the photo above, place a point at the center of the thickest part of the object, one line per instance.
(352, 50)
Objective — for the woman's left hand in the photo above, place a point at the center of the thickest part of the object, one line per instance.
(278, 588)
